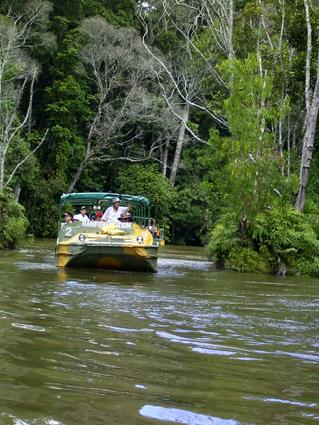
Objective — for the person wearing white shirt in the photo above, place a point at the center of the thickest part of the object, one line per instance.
(113, 213)
(82, 216)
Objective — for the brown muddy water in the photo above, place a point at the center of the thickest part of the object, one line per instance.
(187, 345)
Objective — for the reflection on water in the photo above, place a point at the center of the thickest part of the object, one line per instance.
(41, 421)
(186, 345)
(183, 417)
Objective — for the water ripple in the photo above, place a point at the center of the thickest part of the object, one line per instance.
(28, 327)
(183, 416)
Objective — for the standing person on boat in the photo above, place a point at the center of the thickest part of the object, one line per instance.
(113, 213)
(82, 216)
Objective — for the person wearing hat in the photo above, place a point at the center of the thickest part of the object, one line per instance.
(82, 215)
(113, 213)
(125, 217)
(68, 218)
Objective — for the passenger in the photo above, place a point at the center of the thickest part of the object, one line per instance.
(152, 228)
(98, 216)
(82, 216)
(126, 218)
(68, 218)
(113, 213)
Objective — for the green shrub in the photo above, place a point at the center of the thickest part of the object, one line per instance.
(244, 259)
(277, 237)
(224, 239)
(13, 223)
(287, 233)
(307, 266)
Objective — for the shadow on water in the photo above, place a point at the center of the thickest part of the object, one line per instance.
(185, 345)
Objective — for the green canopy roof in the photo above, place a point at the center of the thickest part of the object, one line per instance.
(94, 197)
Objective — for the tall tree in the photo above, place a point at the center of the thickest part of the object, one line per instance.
(312, 109)
(18, 73)
(184, 68)
(116, 66)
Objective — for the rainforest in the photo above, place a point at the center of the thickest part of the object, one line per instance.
(208, 108)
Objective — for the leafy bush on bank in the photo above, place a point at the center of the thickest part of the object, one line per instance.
(13, 223)
(279, 240)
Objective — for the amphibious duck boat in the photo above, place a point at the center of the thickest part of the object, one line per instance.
(119, 246)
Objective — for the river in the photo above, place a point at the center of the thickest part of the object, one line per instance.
(187, 345)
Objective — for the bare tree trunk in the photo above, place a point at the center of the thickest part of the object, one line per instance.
(262, 75)
(312, 108)
(294, 139)
(77, 176)
(231, 53)
(2, 164)
(16, 71)
(289, 146)
(308, 60)
(180, 142)
(165, 156)
(87, 155)
(81, 168)
(307, 146)
(17, 192)
(280, 146)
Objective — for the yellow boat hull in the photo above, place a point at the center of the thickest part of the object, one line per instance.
(106, 247)
(113, 257)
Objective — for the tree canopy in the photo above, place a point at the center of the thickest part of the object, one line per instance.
(208, 108)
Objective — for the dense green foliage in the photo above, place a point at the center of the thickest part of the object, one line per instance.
(278, 240)
(206, 118)
(13, 223)
(145, 180)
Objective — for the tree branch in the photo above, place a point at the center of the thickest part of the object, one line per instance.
(25, 159)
